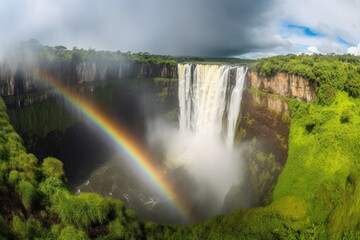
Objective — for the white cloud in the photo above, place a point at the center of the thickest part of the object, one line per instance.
(354, 50)
(313, 49)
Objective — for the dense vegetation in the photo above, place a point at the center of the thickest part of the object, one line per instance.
(331, 72)
(316, 196)
(35, 202)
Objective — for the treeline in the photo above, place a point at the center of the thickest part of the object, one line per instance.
(61, 53)
(330, 72)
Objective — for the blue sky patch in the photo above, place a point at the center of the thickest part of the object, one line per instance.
(344, 42)
(305, 30)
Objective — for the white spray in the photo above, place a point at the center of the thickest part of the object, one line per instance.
(209, 108)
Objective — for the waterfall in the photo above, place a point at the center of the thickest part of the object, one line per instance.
(207, 95)
(234, 105)
(202, 148)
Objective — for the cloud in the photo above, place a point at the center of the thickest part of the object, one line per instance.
(186, 27)
(331, 25)
(354, 50)
(313, 49)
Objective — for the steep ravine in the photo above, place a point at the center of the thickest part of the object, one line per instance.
(264, 123)
(264, 130)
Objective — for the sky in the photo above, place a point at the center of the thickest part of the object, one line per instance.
(216, 28)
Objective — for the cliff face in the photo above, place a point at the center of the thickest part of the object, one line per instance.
(264, 127)
(285, 84)
(267, 118)
(16, 80)
(265, 111)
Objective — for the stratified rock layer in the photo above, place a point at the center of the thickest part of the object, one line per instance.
(285, 84)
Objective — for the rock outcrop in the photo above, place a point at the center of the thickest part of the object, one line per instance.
(285, 84)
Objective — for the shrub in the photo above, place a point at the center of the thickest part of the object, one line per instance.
(116, 229)
(52, 167)
(133, 230)
(19, 227)
(27, 193)
(69, 232)
(14, 177)
(28, 229)
(51, 185)
(28, 165)
(84, 209)
(14, 143)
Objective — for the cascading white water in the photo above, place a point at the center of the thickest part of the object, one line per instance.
(205, 95)
(202, 148)
(234, 105)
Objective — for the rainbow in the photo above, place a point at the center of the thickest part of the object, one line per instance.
(123, 142)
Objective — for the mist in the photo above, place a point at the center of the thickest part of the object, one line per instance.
(209, 166)
(200, 147)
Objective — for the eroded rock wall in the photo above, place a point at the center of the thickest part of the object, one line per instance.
(16, 80)
(285, 84)
(264, 128)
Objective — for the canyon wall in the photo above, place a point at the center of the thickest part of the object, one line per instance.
(284, 84)
(17, 80)
(264, 127)
(264, 117)
(265, 111)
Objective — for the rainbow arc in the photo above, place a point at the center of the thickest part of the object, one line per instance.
(122, 140)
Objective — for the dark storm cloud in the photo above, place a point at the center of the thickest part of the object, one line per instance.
(183, 27)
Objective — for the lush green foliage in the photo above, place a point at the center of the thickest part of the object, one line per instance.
(44, 208)
(323, 166)
(330, 72)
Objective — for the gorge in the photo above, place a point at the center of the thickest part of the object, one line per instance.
(209, 97)
(266, 173)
